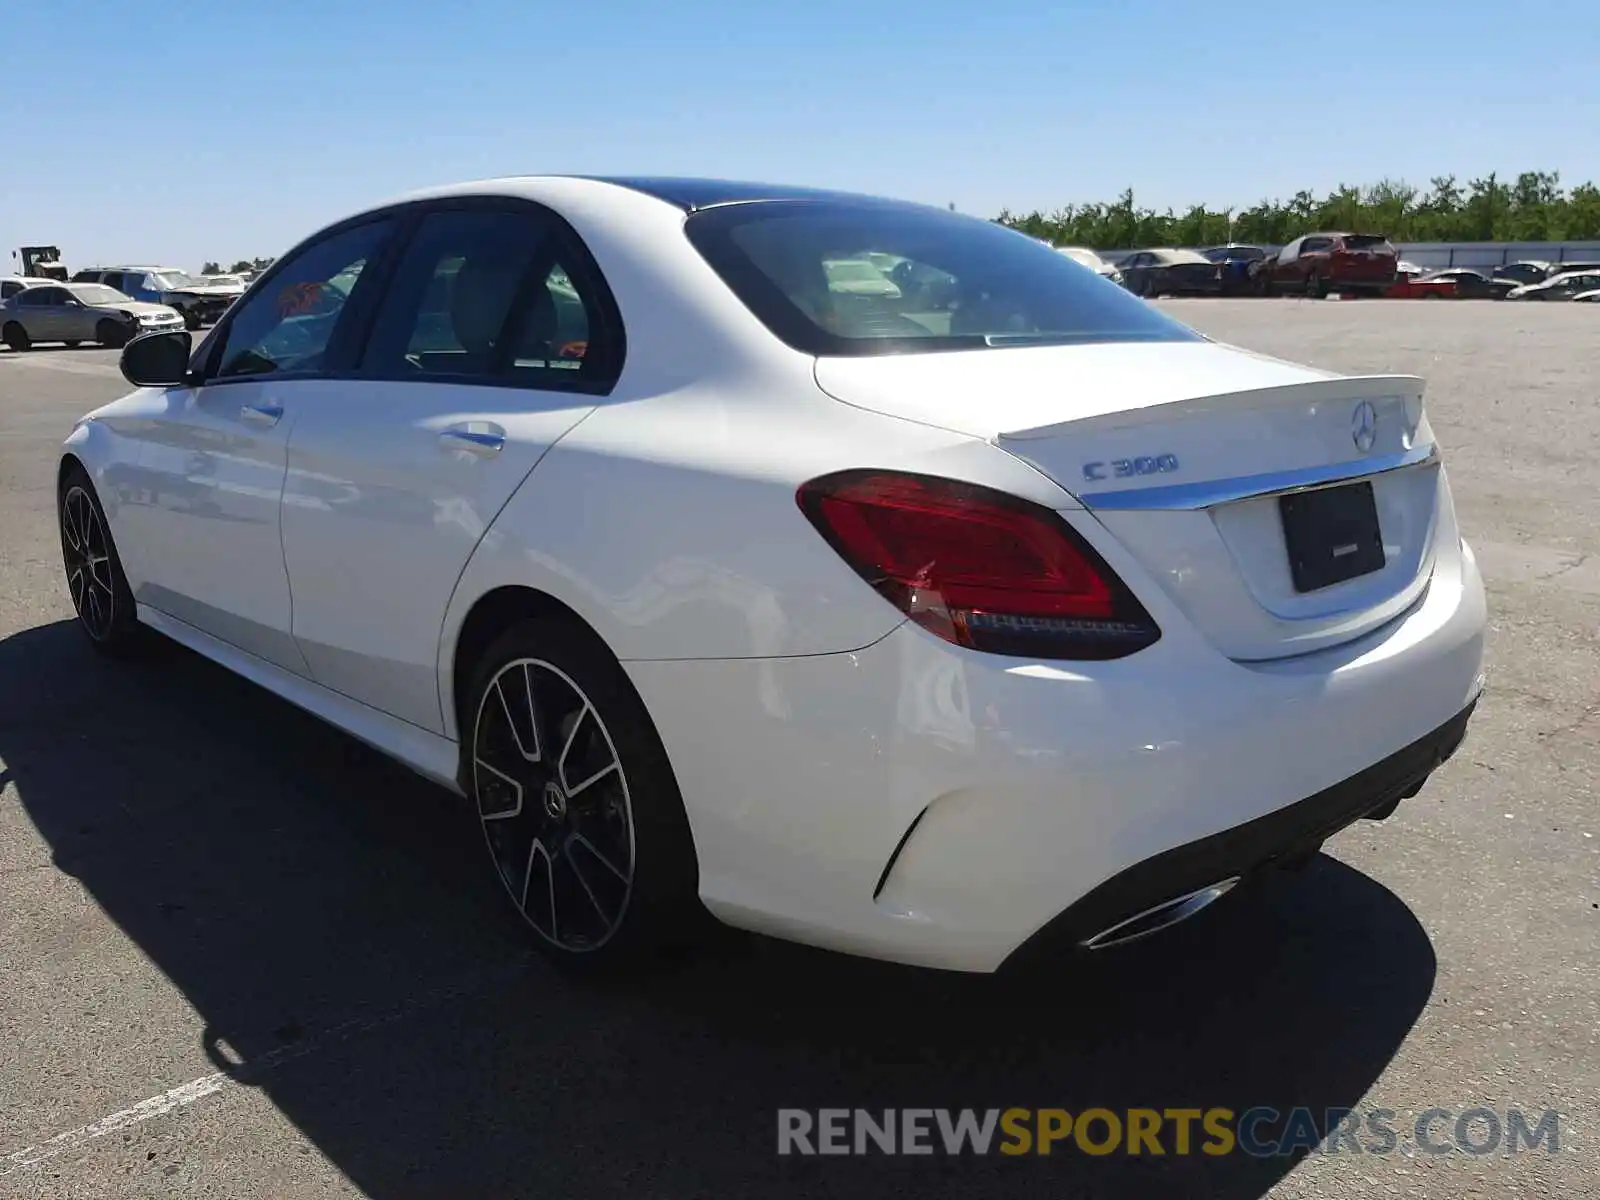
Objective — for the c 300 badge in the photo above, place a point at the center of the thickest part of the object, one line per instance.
(1129, 468)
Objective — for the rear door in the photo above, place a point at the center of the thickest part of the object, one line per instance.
(494, 337)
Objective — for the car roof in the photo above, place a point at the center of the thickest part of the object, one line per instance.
(687, 194)
(692, 194)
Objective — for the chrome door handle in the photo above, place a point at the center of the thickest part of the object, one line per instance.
(475, 441)
(261, 414)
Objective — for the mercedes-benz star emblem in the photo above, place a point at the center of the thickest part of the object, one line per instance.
(1364, 426)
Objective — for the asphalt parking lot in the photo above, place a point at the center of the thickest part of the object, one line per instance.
(245, 957)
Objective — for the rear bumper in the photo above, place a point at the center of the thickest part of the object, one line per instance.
(921, 803)
(1246, 851)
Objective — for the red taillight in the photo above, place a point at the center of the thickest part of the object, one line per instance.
(978, 567)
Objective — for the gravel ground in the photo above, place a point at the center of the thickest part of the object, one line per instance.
(245, 957)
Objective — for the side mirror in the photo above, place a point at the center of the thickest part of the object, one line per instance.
(157, 359)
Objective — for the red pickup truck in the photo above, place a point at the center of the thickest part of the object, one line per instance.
(1319, 263)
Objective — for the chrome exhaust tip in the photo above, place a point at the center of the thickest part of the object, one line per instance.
(1162, 916)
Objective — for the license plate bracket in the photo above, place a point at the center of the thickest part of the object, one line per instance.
(1331, 535)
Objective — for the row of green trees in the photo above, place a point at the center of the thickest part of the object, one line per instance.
(244, 264)
(1535, 208)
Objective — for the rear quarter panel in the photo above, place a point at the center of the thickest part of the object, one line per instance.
(670, 525)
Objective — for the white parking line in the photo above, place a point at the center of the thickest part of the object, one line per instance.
(178, 1097)
(209, 1085)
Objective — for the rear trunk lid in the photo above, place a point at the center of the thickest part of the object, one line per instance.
(1182, 450)
(1365, 258)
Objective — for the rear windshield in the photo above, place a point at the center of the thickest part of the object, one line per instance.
(846, 278)
(1234, 253)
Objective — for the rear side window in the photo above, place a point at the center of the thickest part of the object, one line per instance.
(493, 295)
(844, 278)
(1368, 242)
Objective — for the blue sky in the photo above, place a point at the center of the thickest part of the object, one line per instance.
(229, 128)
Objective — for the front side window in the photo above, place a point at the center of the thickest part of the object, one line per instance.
(490, 294)
(288, 325)
(862, 278)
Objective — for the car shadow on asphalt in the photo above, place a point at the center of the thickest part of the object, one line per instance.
(330, 919)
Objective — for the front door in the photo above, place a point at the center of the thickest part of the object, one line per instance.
(213, 461)
(47, 313)
(210, 472)
(492, 340)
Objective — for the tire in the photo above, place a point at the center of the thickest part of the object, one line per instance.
(72, 343)
(110, 334)
(99, 590)
(191, 320)
(16, 337)
(1316, 289)
(604, 847)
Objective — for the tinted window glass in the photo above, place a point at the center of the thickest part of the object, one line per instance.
(846, 278)
(288, 325)
(42, 297)
(489, 294)
(551, 341)
(9, 289)
(452, 294)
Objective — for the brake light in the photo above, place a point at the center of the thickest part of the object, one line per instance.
(977, 567)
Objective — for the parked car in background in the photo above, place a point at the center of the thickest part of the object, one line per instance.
(1421, 287)
(1558, 287)
(1527, 271)
(198, 303)
(1567, 268)
(232, 283)
(80, 312)
(1319, 263)
(10, 285)
(1236, 261)
(859, 277)
(1152, 273)
(1086, 257)
(1474, 285)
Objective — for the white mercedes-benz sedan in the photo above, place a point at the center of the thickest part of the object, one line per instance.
(979, 610)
